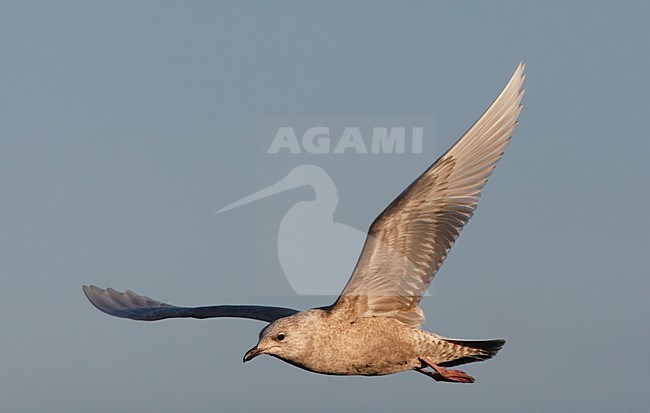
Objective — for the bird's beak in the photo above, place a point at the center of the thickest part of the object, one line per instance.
(252, 353)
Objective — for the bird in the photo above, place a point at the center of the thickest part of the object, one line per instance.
(314, 251)
(374, 326)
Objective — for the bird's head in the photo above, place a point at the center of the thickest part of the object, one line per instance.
(286, 338)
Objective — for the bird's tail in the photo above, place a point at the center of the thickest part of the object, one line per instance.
(484, 349)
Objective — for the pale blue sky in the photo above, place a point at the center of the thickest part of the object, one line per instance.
(124, 125)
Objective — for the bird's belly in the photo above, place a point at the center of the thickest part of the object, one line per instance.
(358, 366)
(362, 351)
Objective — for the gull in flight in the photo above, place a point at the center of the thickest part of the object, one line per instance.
(373, 328)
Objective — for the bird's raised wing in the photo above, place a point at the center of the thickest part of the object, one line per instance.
(410, 239)
(139, 307)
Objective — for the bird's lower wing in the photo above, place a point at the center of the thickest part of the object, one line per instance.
(138, 307)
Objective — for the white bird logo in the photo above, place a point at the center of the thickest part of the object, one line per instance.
(315, 252)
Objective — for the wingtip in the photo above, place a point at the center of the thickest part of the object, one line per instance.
(88, 290)
(517, 80)
(520, 74)
(93, 294)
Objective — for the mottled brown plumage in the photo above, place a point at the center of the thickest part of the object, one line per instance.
(325, 341)
(374, 326)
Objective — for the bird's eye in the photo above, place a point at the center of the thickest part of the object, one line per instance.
(281, 336)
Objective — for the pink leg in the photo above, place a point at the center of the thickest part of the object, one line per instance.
(442, 374)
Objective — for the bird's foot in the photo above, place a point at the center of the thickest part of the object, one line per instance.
(442, 374)
(450, 376)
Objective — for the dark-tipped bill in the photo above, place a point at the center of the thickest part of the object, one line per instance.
(252, 353)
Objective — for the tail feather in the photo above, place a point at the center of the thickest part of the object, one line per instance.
(486, 349)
